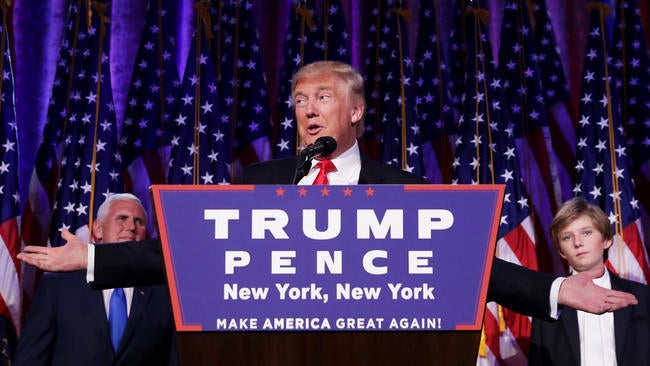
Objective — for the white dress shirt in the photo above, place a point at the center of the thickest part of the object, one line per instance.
(348, 168)
(597, 343)
(128, 294)
(90, 277)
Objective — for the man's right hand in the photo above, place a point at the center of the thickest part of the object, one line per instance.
(580, 292)
(72, 256)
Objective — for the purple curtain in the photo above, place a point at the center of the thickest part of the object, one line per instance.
(38, 26)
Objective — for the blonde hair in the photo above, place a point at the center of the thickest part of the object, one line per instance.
(572, 210)
(353, 81)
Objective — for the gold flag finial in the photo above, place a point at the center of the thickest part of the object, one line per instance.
(502, 319)
(482, 347)
(307, 15)
(203, 16)
(481, 13)
(6, 5)
(604, 8)
(404, 13)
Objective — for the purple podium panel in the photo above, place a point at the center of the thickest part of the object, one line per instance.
(328, 258)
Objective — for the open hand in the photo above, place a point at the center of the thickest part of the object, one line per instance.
(70, 257)
(580, 292)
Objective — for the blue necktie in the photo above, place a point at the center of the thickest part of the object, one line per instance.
(117, 316)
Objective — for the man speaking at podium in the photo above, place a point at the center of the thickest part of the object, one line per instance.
(329, 103)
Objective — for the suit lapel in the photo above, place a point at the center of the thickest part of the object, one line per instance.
(367, 175)
(141, 296)
(364, 174)
(98, 309)
(569, 320)
(621, 320)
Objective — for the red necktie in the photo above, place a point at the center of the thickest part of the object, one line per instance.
(325, 167)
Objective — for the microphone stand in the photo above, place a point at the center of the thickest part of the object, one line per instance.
(323, 146)
(304, 164)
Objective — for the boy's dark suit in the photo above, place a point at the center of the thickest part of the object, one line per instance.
(127, 265)
(67, 325)
(558, 342)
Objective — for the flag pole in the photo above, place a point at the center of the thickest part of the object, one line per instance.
(306, 18)
(202, 23)
(101, 9)
(161, 84)
(604, 10)
(3, 43)
(73, 58)
(402, 13)
(235, 90)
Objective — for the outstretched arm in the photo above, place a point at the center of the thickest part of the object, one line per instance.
(516, 287)
(129, 264)
(520, 289)
(527, 291)
(116, 265)
(72, 256)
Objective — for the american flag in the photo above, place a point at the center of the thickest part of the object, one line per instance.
(457, 51)
(486, 153)
(240, 75)
(10, 289)
(90, 169)
(201, 129)
(81, 114)
(433, 100)
(300, 48)
(518, 64)
(389, 77)
(335, 44)
(44, 180)
(604, 174)
(556, 97)
(632, 73)
(144, 143)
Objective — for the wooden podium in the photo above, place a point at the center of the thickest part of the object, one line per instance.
(329, 348)
(411, 253)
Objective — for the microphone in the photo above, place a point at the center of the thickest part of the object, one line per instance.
(323, 146)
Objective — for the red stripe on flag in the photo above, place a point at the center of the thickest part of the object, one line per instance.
(4, 310)
(249, 154)
(522, 245)
(491, 327)
(9, 233)
(10, 291)
(520, 327)
(632, 238)
(445, 156)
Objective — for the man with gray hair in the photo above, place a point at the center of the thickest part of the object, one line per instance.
(71, 324)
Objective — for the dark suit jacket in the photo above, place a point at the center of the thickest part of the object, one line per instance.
(511, 285)
(67, 325)
(558, 342)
